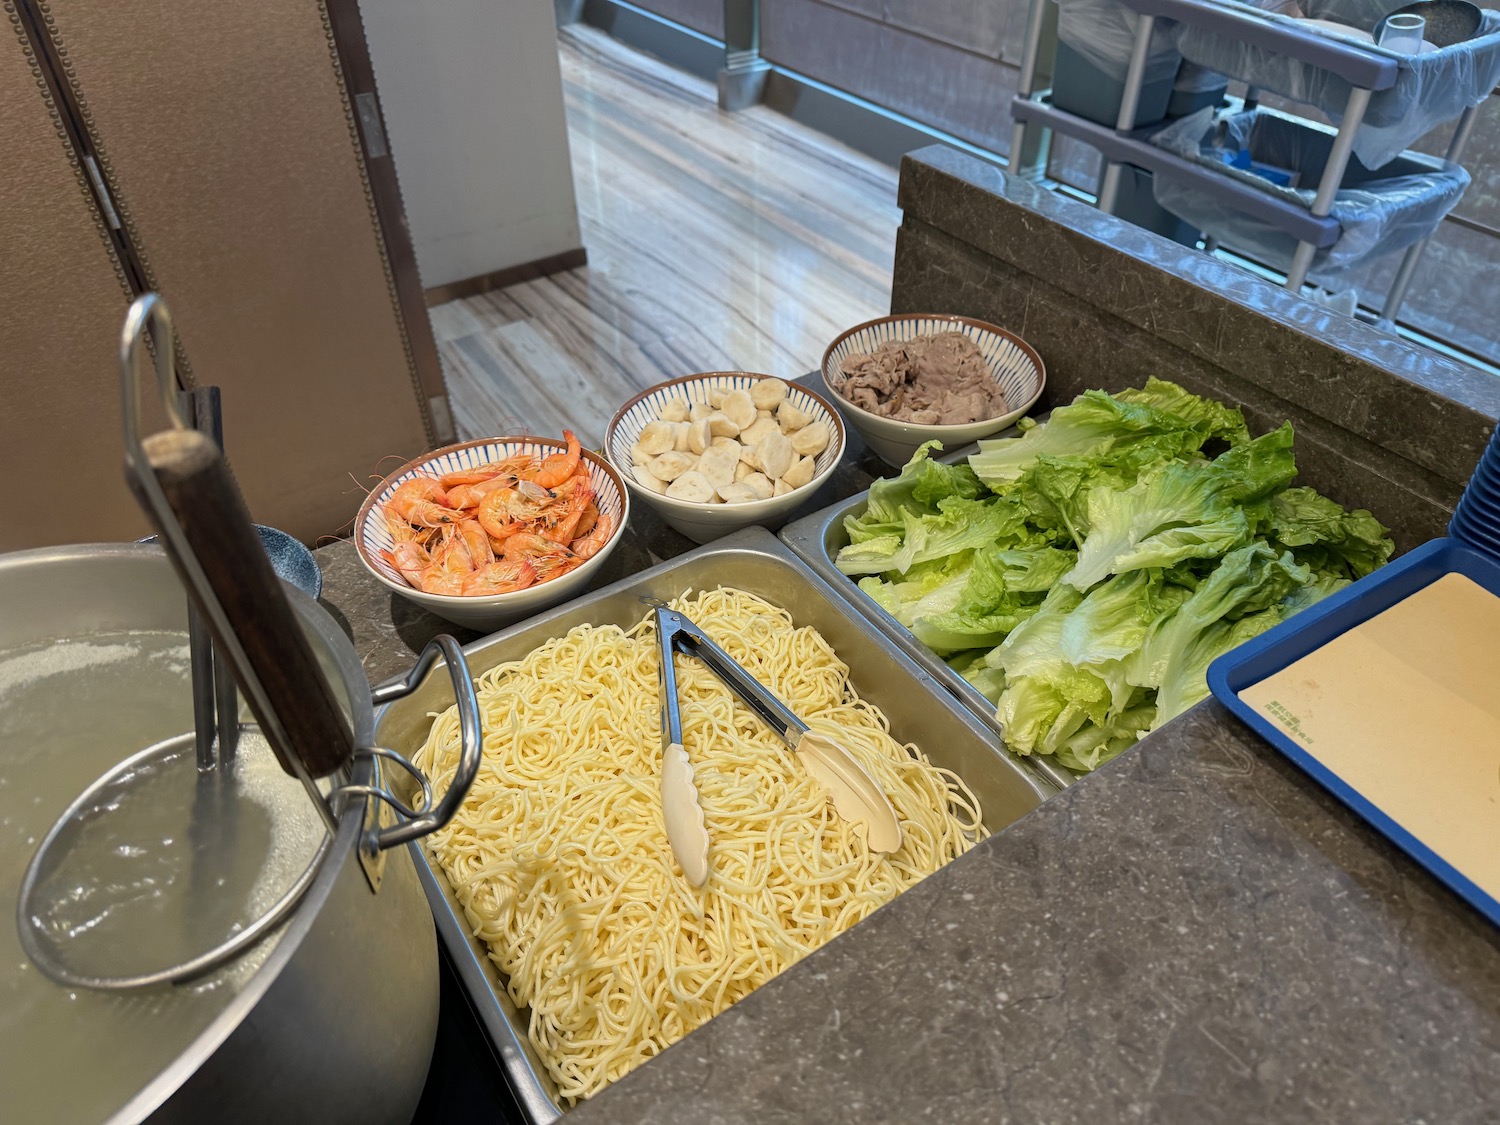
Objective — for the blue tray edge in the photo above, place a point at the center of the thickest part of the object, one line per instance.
(1315, 627)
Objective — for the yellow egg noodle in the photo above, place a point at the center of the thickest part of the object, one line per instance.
(562, 866)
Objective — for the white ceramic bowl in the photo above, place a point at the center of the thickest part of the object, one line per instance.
(490, 612)
(1013, 363)
(703, 522)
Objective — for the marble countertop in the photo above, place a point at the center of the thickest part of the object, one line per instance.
(1195, 932)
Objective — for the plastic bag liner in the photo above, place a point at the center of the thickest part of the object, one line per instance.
(1431, 88)
(1195, 79)
(1378, 212)
(1103, 31)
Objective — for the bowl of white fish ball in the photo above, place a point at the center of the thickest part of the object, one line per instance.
(724, 450)
(902, 381)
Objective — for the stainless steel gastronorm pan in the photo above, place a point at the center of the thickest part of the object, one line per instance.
(919, 709)
(816, 540)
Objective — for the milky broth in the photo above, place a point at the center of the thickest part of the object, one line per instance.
(69, 711)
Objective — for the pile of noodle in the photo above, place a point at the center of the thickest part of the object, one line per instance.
(560, 861)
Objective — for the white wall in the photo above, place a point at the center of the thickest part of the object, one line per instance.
(473, 103)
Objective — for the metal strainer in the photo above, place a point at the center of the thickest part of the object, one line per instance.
(173, 863)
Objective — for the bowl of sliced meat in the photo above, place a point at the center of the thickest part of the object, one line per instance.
(902, 381)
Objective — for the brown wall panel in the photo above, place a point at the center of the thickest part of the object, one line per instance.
(933, 82)
(60, 451)
(706, 16)
(969, 25)
(225, 134)
(874, 9)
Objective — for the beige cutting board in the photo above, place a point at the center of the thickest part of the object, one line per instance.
(1405, 708)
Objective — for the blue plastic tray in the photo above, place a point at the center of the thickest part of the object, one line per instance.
(1312, 629)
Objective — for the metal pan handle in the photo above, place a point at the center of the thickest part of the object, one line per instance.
(430, 817)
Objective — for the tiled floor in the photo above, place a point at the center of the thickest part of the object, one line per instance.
(715, 241)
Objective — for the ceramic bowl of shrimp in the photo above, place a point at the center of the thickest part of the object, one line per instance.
(743, 413)
(486, 533)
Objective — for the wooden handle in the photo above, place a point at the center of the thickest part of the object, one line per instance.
(196, 482)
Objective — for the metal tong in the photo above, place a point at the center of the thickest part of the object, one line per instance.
(856, 795)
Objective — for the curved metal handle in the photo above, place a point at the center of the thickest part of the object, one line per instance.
(380, 793)
(433, 817)
(149, 316)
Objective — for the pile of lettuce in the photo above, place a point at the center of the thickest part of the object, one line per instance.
(1084, 575)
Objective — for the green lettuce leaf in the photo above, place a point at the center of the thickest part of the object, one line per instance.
(1095, 423)
(1112, 620)
(935, 587)
(989, 682)
(1040, 712)
(1032, 570)
(1054, 489)
(1255, 469)
(1320, 587)
(869, 556)
(1093, 745)
(1252, 581)
(1182, 510)
(1090, 426)
(1046, 699)
(1323, 535)
(1213, 419)
(959, 525)
(919, 487)
(1187, 683)
(930, 511)
(883, 594)
(1174, 513)
(1001, 589)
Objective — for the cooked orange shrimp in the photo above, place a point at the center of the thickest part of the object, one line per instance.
(411, 560)
(450, 584)
(590, 545)
(401, 531)
(406, 554)
(560, 466)
(503, 525)
(587, 520)
(451, 564)
(422, 501)
(469, 495)
(462, 496)
(549, 559)
(515, 466)
(501, 577)
(504, 511)
(478, 543)
(560, 521)
(530, 545)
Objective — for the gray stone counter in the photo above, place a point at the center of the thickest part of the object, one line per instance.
(1194, 933)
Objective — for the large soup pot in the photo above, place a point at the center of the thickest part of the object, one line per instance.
(338, 1022)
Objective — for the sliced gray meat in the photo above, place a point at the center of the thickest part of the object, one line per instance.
(931, 380)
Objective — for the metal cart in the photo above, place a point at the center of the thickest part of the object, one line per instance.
(1365, 68)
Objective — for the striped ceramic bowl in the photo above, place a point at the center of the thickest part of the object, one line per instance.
(703, 522)
(1013, 363)
(487, 613)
